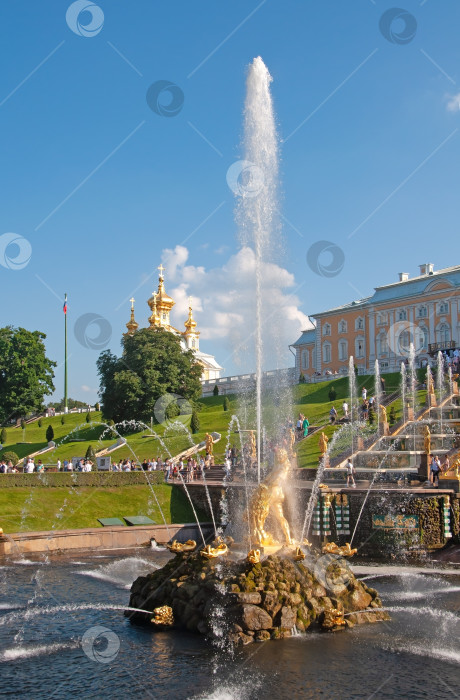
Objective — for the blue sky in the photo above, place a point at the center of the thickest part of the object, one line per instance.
(100, 185)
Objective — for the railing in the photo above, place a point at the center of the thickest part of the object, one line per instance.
(446, 345)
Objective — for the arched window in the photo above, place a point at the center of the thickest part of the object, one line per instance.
(404, 340)
(305, 359)
(443, 333)
(360, 347)
(402, 315)
(443, 307)
(326, 352)
(359, 324)
(327, 329)
(382, 343)
(421, 339)
(343, 350)
(343, 327)
(422, 311)
(382, 318)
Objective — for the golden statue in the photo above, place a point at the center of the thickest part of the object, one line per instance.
(268, 498)
(252, 445)
(383, 414)
(333, 617)
(291, 439)
(333, 548)
(323, 440)
(427, 440)
(209, 443)
(453, 471)
(298, 554)
(178, 547)
(212, 552)
(163, 616)
(254, 556)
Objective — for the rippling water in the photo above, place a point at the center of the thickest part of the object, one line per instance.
(96, 653)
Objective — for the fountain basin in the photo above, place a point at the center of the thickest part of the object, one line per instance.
(242, 602)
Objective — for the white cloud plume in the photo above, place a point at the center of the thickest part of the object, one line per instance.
(453, 103)
(223, 300)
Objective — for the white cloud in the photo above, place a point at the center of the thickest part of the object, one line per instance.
(87, 389)
(453, 103)
(223, 300)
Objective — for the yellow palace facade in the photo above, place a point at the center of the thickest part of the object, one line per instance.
(423, 310)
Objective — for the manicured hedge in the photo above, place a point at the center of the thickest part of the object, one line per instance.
(68, 479)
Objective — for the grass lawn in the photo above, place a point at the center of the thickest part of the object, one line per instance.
(73, 438)
(35, 509)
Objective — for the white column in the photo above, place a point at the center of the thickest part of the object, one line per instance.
(371, 338)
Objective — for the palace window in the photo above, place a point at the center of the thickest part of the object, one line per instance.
(421, 340)
(359, 324)
(402, 315)
(404, 340)
(422, 312)
(326, 352)
(443, 307)
(382, 318)
(359, 347)
(382, 343)
(343, 327)
(343, 350)
(305, 359)
(443, 333)
(327, 329)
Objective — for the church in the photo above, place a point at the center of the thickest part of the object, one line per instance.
(160, 306)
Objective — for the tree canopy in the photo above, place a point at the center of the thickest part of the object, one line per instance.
(26, 374)
(152, 364)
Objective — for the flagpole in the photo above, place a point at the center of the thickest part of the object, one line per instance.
(65, 355)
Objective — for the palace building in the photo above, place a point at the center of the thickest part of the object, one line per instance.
(160, 306)
(423, 311)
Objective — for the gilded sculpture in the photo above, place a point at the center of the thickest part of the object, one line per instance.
(209, 443)
(383, 414)
(178, 547)
(163, 616)
(323, 440)
(333, 548)
(268, 499)
(427, 440)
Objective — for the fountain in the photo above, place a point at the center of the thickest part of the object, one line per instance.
(403, 390)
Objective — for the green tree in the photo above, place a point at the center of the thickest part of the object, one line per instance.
(215, 391)
(49, 433)
(152, 364)
(26, 374)
(10, 457)
(3, 436)
(23, 424)
(332, 394)
(302, 379)
(39, 422)
(90, 454)
(226, 403)
(371, 415)
(88, 418)
(194, 422)
(63, 419)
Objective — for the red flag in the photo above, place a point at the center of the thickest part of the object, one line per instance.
(64, 308)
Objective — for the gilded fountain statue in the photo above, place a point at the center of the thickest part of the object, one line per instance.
(267, 500)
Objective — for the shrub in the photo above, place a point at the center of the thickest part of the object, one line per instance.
(172, 410)
(49, 433)
(23, 423)
(39, 422)
(95, 478)
(88, 417)
(98, 406)
(10, 457)
(302, 379)
(215, 391)
(332, 394)
(194, 422)
(371, 415)
(90, 454)
(3, 436)
(226, 403)
(62, 419)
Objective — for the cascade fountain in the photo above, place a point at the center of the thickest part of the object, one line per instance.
(352, 390)
(412, 378)
(378, 392)
(403, 390)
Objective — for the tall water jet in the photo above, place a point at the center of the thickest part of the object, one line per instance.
(378, 392)
(440, 376)
(257, 210)
(352, 390)
(412, 377)
(403, 390)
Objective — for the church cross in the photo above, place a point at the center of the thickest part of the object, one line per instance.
(162, 269)
(132, 300)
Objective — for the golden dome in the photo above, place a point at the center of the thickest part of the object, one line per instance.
(132, 324)
(190, 323)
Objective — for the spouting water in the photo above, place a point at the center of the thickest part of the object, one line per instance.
(412, 377)
(258, 206)
(440, 377)
(352, 390)
(403, 389)
(378, 392)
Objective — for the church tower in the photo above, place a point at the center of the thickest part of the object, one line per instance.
(132, 324)
(160, 304)
(191, 335)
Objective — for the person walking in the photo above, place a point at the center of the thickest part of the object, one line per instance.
(345, 409)
(435, 467)
(305, 425)
(333, 415)
(350, 474)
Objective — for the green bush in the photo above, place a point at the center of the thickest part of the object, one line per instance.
(23, 423)
(332, 394)
(62, 419)
(3, 436)
(49, 433)
(226, 403)
(88, 417)
(67, 479)
(371, 415)
(10, 457)
(39, 422)
(215, 391)
(194, 422)
(90, 454)
(302, 379)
